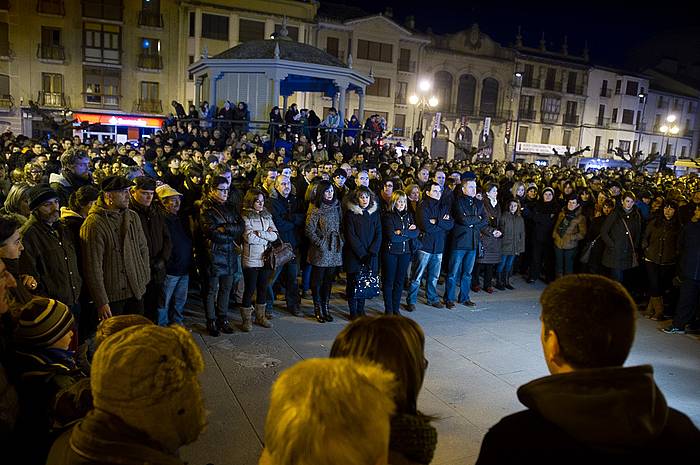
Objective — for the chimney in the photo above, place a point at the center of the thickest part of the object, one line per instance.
(410, 22)
(389, 12)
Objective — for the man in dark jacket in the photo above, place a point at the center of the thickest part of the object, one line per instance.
(591, 409)
(157, 237)
(469, 218)
(434, 221)
(49, 251)
(177, 269)
(75, 173)
(290, 221)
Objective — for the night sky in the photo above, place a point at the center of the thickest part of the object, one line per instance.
(617, 34)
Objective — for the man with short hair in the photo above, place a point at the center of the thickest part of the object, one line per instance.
(75, 173)
(116, 262)
(338, 415)
(591, 409)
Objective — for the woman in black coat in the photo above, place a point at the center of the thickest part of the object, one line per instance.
(543, 217)
(363, 240)
(276, 124)
(400, 233)
(593, 265)
(622, 233)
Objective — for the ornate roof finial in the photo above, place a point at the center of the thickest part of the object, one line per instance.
(519, 38)
(350, 60)
(283, 33)
(543, 43)
(277, 51)
(205, 52)
(371, 71)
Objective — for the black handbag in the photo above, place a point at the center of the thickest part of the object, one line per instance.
(367, 285)
(279, 254)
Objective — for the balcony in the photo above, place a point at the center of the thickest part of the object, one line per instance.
(531, 83)
(150, 19)
(551, 85)
(607, 93)
(603, 122)
(571, 120)
(110, 11)
(527, 114)
(149, 106)
(407, 66)
(51, 52)
(51, 7)
(549, 118)
(100, 100)
(576, 90)
(7, 103)
(51, 99)
(150, 62)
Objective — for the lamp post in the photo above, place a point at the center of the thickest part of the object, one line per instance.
(667, 128)
(422, 101)
(518, 80)
(643, 98)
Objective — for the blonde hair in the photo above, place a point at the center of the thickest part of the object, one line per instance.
(395, 198)
(330, 411)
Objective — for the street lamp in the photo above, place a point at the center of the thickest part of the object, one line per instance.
(422, 101)
(518, 75)
(640, 124)
(668, 128)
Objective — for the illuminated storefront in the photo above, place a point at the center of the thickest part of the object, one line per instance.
(116, 127)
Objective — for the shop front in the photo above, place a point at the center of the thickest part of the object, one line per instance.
(115, 127)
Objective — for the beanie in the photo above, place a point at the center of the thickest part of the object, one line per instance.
(39, 195)
(42, 322)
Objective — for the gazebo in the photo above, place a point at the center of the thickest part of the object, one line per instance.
(259, 72)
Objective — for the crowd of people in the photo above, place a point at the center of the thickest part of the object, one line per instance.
(95, 231)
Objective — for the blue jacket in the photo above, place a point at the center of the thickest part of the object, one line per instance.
(689, 246)
(399, 244)
(181, 253)
(433, 235)
(363, 237)
(287, 217)
(469, 218)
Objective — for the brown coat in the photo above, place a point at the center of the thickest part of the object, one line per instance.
(573, 234)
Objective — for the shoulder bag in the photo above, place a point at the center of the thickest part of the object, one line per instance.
(279, 254)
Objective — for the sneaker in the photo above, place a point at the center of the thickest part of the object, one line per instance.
(673, 330)
(224, 326)
(436, 304)
(450, 305)
(468, 303)
(409, 307)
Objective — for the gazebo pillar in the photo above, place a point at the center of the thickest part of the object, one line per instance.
(284, 103)
(275, 91)
(361, 107)
(197, 91)
(342, 91)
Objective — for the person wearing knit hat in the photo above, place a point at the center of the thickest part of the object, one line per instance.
(44, 323)
(147, 397)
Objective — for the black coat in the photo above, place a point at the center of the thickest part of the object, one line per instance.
(287, 216)
(619, 249)
(660, 240)
(469, 218)
(543, 216)
(157, 237)
(222, 228)
(363, 237)
(433, 236)
(399, 244)
(689, 247)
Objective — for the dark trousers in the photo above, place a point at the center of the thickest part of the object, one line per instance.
(130, 306)
(255, 280)
(321, 282)
(564, 261)
(356, 306)
(218, 295)
(288, 274)
(394, 271)
(659, 278)
(152, 300)
(542, 253)
(687, 303)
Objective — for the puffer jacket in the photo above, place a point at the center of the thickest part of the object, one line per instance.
(255, 245)
(513, 229)
(221, 228)
(573, 234)
(324, 233)
(660, 241)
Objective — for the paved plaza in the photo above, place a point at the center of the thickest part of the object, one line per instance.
(477, 359)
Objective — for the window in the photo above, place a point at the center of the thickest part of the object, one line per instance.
(545, 135)
(528, 74)
(152, 6)
(50, 47)
(149, 101)
(103, 9)
(632, 88)
(399, 125)
(443, 89)
(657, 122)
(380, 88)
(618, 86)
(401, 91)
(4, 40)
(571, 82)
(51, 7)
(250, 30)
(522, 134)
(466, 94)
(667, 152)
(191, 25)
(551, 107)
(614, 115)
(660, 103)
(489, 97)
(150, 14)
(604, 88)
(526, 107)
(654, 147)
(550, 81)
(333, 46)
(51, 90)
(566, 138)
(214, 27)
(150, 46)
(405, 60)
(627, 116)
(102, 43)
(190, 60)
(101, 86)
(4, 88)
(375, 51)
(625, 146)
(683, 151)
(611, 145)
(292, 32)
(149, 90)
(596, 146)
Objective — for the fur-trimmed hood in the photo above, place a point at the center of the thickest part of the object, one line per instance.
(356, 209)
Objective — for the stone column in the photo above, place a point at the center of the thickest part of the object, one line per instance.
(269, 28)
(284, 104)
(212, 91)
(361, 107)
(197, 91)
(233, 29)
(275, 91)
(197, 33)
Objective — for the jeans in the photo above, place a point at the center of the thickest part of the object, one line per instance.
(218, 295)
(175, 291)
(291, 289)
(564, 261)
(394, 269)
(460, 268)
(255, 283)
(506, 264)
(430, 262)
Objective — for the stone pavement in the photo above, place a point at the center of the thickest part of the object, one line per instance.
(477, 359)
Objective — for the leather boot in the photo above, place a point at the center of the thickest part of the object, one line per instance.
(260, 318)
(507, 283)
(656, 310)
(212, 329)
(317, 310)
(499, 281)
(325, 309)
(247, 317)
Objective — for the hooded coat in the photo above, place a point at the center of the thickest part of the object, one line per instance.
(604, 416)
(363, 236)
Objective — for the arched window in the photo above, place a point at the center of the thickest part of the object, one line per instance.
(438, 145)
(443, 89)
(489, 97)
(463, 143)
(466, 94)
